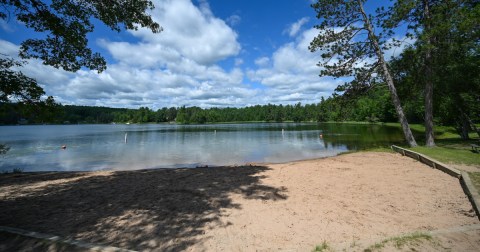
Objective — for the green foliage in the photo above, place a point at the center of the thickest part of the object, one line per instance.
(323, 247)
(20, 94)
(447, 46)
(15, 86)
(344, 43)
(352, 46)
(67, 23)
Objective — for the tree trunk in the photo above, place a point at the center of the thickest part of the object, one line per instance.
(463, 127)
(389, 80)
(429, 136)
(472, 125)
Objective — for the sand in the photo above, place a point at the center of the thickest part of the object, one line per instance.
(350, 201)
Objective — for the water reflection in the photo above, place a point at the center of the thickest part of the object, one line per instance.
(97, 147)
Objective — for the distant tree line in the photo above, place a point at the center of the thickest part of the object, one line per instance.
(371, 106)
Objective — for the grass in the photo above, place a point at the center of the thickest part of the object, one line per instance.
(450, 147)
(323, 247)
(441, 132)
(459, 155)
(400, 241)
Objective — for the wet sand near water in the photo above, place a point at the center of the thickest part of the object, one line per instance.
(344, 201)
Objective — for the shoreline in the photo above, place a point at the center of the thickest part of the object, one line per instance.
(246, 164)
(295, 205)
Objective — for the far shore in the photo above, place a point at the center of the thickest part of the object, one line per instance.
(349, 202)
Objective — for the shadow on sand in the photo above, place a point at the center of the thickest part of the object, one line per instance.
(162, 209)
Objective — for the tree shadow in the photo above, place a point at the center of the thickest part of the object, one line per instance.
(161, 209)
(23, 178)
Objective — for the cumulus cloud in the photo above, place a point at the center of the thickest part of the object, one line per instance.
(290, 75)
(183, 66)
(294, 28)
(174, 68)
(191, 31)
(263, 61)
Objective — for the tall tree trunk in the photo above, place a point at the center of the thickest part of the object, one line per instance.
(429, 136)
(388, 78)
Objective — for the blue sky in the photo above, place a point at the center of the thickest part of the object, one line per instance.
(213, 53)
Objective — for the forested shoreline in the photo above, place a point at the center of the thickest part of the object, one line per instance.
(369, 105)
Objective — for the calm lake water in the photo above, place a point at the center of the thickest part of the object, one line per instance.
(99, 147)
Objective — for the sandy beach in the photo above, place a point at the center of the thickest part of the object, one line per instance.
(350, 202)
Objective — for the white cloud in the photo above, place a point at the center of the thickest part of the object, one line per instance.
(9, 48)
(234, 20)
(176, 67)
(294, 28)
(263, 61)
(183, 66)
(290, 75)
(192, 32)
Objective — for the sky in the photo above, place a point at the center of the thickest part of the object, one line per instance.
(211, 53)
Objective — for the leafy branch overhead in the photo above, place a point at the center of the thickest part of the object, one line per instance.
(66, 24)
(15, 86)
(343, 41)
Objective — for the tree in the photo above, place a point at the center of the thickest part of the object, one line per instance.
(17, 87)
(418, 14)
(28, 96)
(350, 47)
(445, 55)
(65, 25)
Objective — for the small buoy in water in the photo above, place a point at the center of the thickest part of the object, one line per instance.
(64, 147)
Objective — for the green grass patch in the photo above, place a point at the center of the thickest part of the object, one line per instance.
(450, 147)
(456, 155)
(400, 241)
(323, 247)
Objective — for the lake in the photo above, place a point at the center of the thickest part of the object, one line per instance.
(103, 147)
